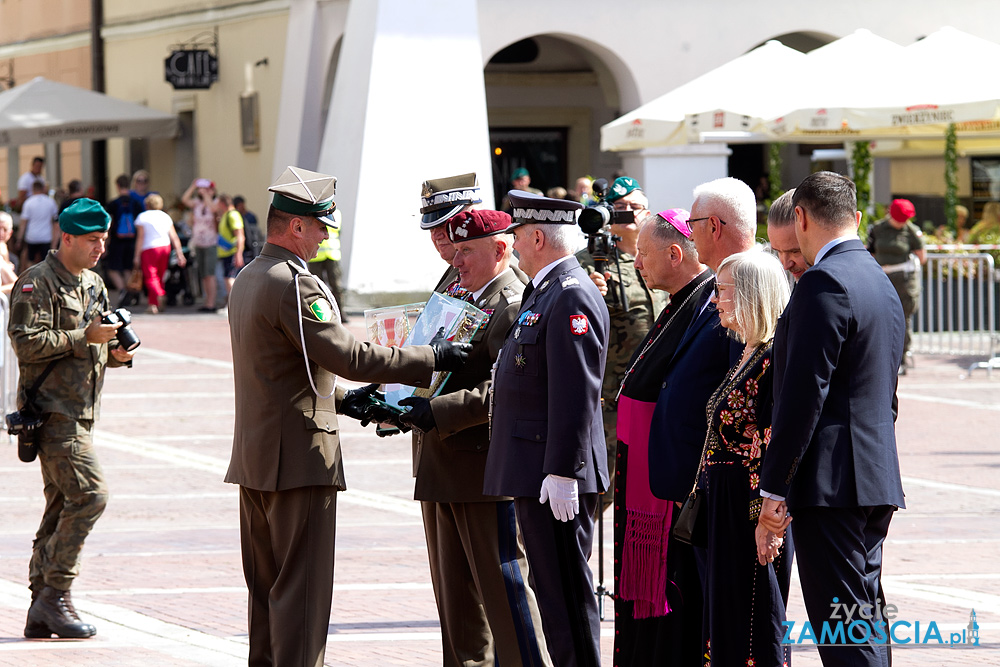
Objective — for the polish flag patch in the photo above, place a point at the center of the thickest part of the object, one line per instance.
(578, 324)
(27, 287)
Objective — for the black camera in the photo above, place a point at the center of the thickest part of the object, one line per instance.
(24, 424)
(601, 213)
(601, 243)
(127, 337)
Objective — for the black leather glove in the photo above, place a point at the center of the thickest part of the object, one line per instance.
(420, 416)
(448, 355)
(358, 404)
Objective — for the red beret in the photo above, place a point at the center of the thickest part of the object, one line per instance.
(475, 224)
(901, 210)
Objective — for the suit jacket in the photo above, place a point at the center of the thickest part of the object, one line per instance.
(547, 389)
(837, 348)
(677, 432)
(285, 435)
(450, 461)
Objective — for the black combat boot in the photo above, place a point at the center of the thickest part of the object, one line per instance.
(53, 613)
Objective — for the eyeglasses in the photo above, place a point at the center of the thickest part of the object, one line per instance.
(715, 288)
(706, 218)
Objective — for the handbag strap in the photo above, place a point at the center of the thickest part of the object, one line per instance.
(701, 463)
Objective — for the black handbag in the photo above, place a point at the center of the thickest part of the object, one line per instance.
(690, 525)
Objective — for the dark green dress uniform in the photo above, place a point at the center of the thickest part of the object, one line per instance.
(48, 306)
(628, 328)
(893, 248)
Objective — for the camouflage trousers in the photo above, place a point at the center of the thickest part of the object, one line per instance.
(75, 497)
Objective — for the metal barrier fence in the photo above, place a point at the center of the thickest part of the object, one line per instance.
(958, 307)
(8, 366)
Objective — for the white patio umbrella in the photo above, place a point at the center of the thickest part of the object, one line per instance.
(733, 88)
(43, 111)
(915, 92)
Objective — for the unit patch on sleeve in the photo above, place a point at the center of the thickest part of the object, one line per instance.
(322, 309)
(578, 324)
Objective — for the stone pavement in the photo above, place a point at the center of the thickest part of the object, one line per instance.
(161, 576)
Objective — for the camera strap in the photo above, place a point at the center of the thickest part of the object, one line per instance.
(29, 394)
(92, 303)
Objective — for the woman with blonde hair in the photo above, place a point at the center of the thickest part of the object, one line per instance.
(745, 599)
(154, 235)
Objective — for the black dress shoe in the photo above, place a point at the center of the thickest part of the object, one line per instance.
(53, 614)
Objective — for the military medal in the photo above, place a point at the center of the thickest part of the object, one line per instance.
(519, 360)
(517, 332)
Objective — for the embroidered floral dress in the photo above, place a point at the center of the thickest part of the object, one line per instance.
(745, 600)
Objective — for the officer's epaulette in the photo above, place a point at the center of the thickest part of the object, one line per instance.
(297, 267)
(567, 280)
(510, 295)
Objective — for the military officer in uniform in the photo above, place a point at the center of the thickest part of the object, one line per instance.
(62, 348)
(440, 200)
(547, 446)
(898, 246)
(628, 325)
(477, 566)
(288, 349)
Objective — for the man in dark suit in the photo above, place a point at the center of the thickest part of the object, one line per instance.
(832, 459)
(288, 349)
(547, 441)
(478, 569)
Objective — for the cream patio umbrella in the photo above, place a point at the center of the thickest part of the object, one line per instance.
(733, 88)
(43, 111)
(920, 89)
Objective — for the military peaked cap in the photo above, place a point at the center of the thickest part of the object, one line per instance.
(529, 208)
(442, 198)
(308, 193)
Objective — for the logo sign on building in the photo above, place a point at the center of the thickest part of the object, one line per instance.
(191, 69)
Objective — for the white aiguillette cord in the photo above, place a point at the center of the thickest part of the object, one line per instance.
(302, 335)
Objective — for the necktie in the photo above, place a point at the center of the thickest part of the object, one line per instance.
(528, 289)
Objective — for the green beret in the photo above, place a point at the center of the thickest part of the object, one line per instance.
(622, 186)
(84, 216)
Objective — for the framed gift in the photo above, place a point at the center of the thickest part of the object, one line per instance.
(454, 319)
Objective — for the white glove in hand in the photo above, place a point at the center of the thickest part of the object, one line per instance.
(563, 496)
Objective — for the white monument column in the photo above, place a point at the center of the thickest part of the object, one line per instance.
(409, 104)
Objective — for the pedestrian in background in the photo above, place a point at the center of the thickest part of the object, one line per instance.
(155, 235)
(200, 198)
(898, 246)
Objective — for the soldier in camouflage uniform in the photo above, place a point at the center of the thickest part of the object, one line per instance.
(628, 328)
(56, 309)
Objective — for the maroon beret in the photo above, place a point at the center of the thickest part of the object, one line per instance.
(475, 224)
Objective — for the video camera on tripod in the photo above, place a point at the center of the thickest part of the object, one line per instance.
(595, 221)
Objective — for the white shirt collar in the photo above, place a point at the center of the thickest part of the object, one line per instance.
(544, 271)
(831, 245)
(479, 292)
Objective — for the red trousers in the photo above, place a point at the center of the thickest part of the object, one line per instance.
(154, 266)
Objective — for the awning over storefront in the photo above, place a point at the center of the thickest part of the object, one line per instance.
(43, 111)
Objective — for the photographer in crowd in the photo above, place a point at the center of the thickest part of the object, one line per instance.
(631, 304)
(62, 346)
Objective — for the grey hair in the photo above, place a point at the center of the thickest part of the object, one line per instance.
(760, 293)
(668, 235)
(731, 200)
(782, 211)
(560, 236)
